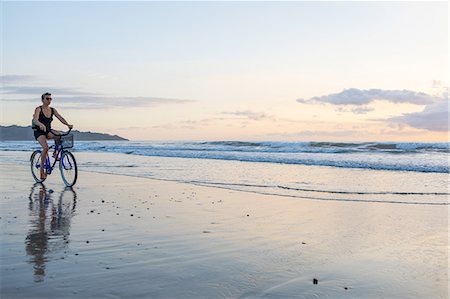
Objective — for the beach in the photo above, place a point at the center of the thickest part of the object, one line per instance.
(224, 149)
(128, 236)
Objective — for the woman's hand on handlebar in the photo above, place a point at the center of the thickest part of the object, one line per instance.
(70, 127)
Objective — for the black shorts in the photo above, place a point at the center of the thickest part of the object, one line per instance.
(38, 133)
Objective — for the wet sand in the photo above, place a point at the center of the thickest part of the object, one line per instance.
(116, 236)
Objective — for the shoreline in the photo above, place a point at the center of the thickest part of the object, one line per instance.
(142, 237)
(296, 181)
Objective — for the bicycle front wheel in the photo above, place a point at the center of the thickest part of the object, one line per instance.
(68, 168)
(36, 166)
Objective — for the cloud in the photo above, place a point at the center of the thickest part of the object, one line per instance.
(362, 110)
(38, 90)
(340, 133)
(435, 117)
(354, 96)
(249, 114)
(356, 110)
(132, 128)
(72, 98)
(105, 102)
(237, 119)
(15, 78)
(14, 85)
(311, 134)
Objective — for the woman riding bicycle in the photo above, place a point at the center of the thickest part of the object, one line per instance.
(42, 119)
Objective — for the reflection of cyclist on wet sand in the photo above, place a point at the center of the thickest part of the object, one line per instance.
(42, 119)
(49, 226)
(37, 240)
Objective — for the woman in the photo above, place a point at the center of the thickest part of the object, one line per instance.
(42, 119)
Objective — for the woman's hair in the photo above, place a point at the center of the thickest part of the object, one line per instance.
(45, 94)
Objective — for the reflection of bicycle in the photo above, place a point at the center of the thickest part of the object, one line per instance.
(67, 163)
(65, 206)
(56, 211)
(67, 202)
(49, 220)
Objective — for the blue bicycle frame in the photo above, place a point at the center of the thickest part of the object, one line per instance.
(48, 166)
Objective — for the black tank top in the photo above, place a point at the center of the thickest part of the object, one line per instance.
(46, 121)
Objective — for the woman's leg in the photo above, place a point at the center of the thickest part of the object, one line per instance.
(54, 137)
(50, 135)
(43, 142)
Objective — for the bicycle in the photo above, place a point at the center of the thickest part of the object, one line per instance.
(67, 163)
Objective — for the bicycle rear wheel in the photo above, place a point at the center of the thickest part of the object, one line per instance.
(68, 168)
(36, 165)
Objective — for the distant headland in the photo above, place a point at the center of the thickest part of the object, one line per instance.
(19, 133)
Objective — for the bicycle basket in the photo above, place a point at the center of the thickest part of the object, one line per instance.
(66, 141)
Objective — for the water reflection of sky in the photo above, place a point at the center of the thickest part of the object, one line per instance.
(49, 226)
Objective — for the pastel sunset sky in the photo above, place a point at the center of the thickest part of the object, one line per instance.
(319, 71)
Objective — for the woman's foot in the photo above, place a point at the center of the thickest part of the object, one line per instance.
(43, 175)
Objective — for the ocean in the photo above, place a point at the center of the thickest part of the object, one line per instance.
(411, 173)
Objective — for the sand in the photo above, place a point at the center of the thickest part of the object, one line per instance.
(116, 236)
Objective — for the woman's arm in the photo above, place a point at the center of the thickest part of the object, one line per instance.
(36, 119)
(61, 119)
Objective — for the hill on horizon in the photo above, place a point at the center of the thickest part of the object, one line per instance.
(19, 133)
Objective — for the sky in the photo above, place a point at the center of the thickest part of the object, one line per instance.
(281, 71)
